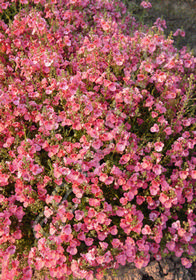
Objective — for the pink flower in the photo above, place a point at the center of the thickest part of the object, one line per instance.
(146, 230)
(129, 195)
(4, 179)
(109, 180)
(165, 200)
(74, 266)
(90, 257)
(119, 60)
(181, 232)
(116, 243)
(77, 191)
(121, 212)
(170, 94)
(160, 23)
(193, 174)
(123, 201)
(125, 158)
(103, 177)
(154, 188)
(176, 225)
(4, 5)
(171, 245)
(47, 212)
(146, 5)
(154, 128)
(91, 213)
(120, 146)
(94, 202)
(79, 215)
(67, 229)
(53, 150)
(113, 230)
(132, 221)
(140, 77)
(101, 218)
(112, 87)
(168, 130)
(179, 32)
(102, 235)
(187, 263)
(19, 213)
(52, 229)
(139, 262)
(103, 245)
(146, 164)
(183, 174)
(158, 146)
(153, 215)
(72, 250)
(89, 241)
(36, 169)
(105, 25)
(81, 235)
(57, 171)
(9, 142)
(140, 199)
(121, 258)
(97, 144)
(11, 249)
(154, 114)
(157, 169)
(89, 275)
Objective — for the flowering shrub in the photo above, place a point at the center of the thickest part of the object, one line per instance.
(97, 159)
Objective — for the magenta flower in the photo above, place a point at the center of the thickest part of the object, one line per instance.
(146, 5)
(186, 262)
(179, 32)
(11, 250)
(79, 215)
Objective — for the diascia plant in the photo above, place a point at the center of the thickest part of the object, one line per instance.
(97, 138)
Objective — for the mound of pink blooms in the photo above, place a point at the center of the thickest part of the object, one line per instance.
(97, 141)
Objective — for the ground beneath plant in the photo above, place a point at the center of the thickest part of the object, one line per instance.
(166, 269)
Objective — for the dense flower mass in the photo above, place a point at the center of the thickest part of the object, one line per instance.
(97, 141)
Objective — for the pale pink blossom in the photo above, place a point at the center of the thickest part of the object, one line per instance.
(186, 262)
(79, 215)
(146, 230)
(154, 128)
(183, 174)
(67, 229)
(193, 174)
(48, 212)
(146, 5)
(179, 32)
(158, 146)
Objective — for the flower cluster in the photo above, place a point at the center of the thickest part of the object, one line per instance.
(97, 141)
(146, 5)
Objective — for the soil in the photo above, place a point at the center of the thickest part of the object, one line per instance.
(166, 269)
